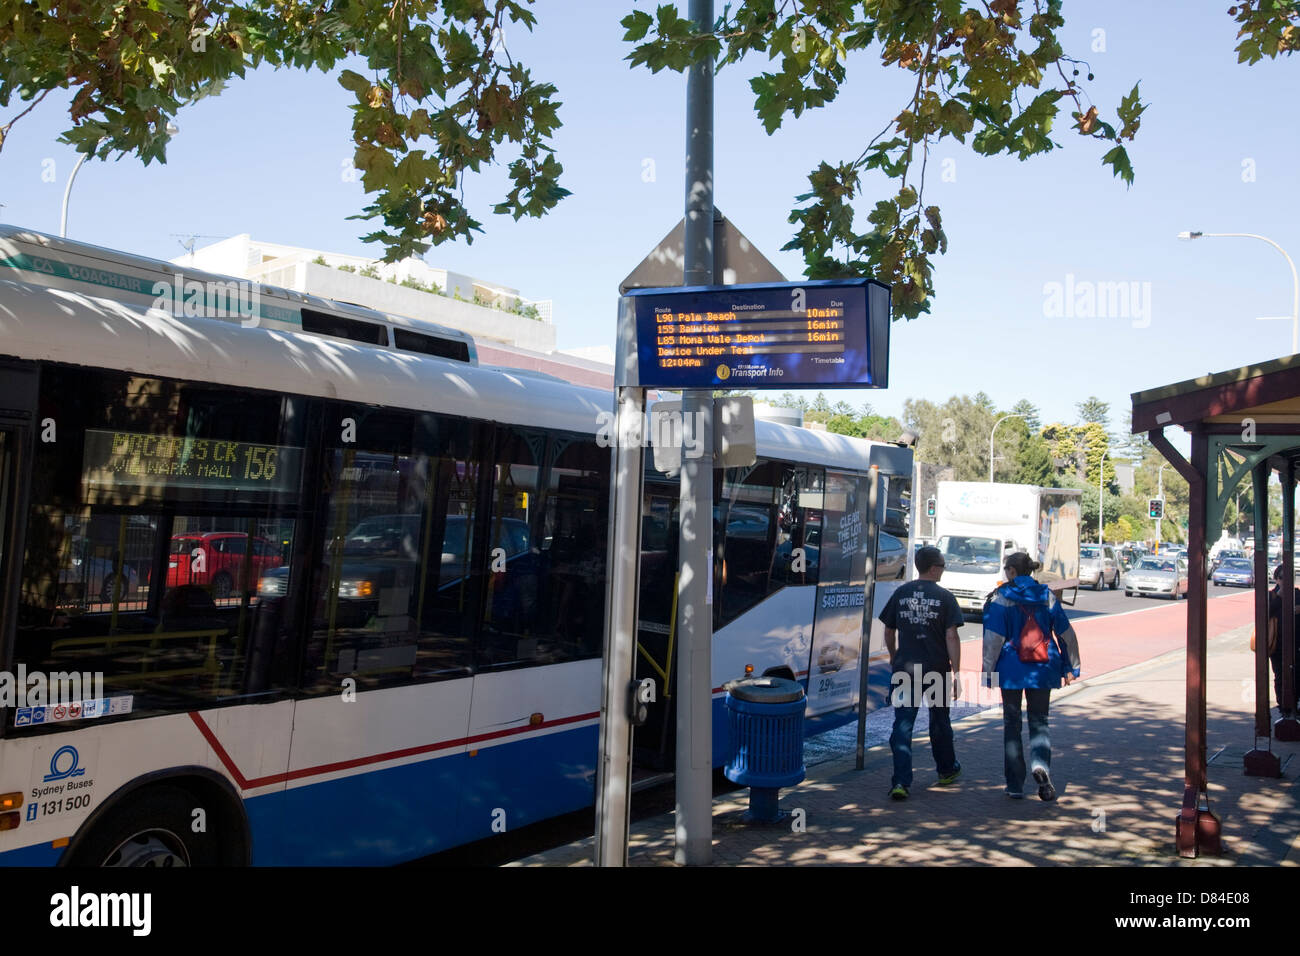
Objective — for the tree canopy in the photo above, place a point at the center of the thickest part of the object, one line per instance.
(1094, 411)
(443, 97)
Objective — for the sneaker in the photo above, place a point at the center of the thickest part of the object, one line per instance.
(1016, 794)
(1045, 789)
(899, 792)
(945, 779)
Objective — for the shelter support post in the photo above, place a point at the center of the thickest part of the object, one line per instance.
(1287, 727)
(1196, 828)
(1261, 762)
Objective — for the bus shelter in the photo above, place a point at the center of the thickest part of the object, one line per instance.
(1245, 426)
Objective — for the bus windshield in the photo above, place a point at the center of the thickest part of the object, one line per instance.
(962, 553)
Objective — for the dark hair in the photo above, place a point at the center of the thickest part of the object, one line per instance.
(1277, 573)
(928, 557)
(1021, 563)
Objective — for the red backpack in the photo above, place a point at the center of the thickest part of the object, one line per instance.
(1033, 642)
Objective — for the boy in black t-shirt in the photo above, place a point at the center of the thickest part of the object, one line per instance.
(921, 621)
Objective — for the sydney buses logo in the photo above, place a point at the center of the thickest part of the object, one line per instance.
(64, 764)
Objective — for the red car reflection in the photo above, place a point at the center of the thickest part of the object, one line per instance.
(216, 560)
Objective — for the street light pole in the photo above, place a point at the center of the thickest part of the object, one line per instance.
(171, 129)
(1295, 280)
(67, 191)
(1101, 510)
(995, 428)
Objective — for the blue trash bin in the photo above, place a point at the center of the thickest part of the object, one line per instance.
(765, 732)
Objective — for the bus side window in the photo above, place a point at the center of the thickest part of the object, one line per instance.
(546, 580)
(137, 564)
(397, 513)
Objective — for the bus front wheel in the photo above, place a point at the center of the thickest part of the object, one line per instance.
(154, 828)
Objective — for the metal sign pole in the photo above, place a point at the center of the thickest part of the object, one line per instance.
(694, 759)
(614, 764)
(694, 605)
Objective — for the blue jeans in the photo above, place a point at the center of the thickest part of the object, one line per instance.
(900, 742)
(1040, 744)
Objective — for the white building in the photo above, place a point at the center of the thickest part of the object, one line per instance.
(508, 329)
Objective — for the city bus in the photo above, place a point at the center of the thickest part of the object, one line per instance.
(340, 587)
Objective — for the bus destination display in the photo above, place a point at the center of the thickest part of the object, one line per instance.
(116, 459)
(784, 335)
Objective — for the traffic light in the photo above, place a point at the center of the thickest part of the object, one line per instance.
(929, 507)
(1157, 508)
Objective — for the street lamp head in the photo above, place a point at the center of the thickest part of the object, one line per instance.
(1190, 235)
(173, 129)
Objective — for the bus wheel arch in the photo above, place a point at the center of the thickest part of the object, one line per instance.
(159, 810)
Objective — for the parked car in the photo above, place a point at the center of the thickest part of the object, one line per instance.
(891, 558)
(1276, 559)
(1234, 571)
(215, 560)
(87, 577)
(1163, 575)
(1225, 555)
(1100, 564)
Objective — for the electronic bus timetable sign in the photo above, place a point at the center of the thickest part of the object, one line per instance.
(773, 335)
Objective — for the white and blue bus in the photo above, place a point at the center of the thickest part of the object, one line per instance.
(342, 587)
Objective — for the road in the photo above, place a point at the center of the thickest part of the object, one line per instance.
(1097, 604)
(1114, 631)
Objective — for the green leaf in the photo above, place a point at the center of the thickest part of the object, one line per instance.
(1118, 160)
(637, 24)
(354, 82)
(1130, 112)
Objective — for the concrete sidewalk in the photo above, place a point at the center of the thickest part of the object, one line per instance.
(1117, 763)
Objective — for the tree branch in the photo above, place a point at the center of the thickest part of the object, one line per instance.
(4, 130)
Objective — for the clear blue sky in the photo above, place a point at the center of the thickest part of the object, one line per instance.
(266, 158)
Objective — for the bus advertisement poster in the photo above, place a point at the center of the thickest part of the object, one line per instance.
(841, 597)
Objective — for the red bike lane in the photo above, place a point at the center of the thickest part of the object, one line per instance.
(1109, 642)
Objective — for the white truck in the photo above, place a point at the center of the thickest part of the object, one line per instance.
(978, 523)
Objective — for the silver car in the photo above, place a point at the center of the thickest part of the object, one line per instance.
(1163, 576)
(1099, 563)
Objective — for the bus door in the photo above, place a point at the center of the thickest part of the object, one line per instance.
(657, 620)
(17, 398)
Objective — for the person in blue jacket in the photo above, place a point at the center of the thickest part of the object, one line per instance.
(1004, 619)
